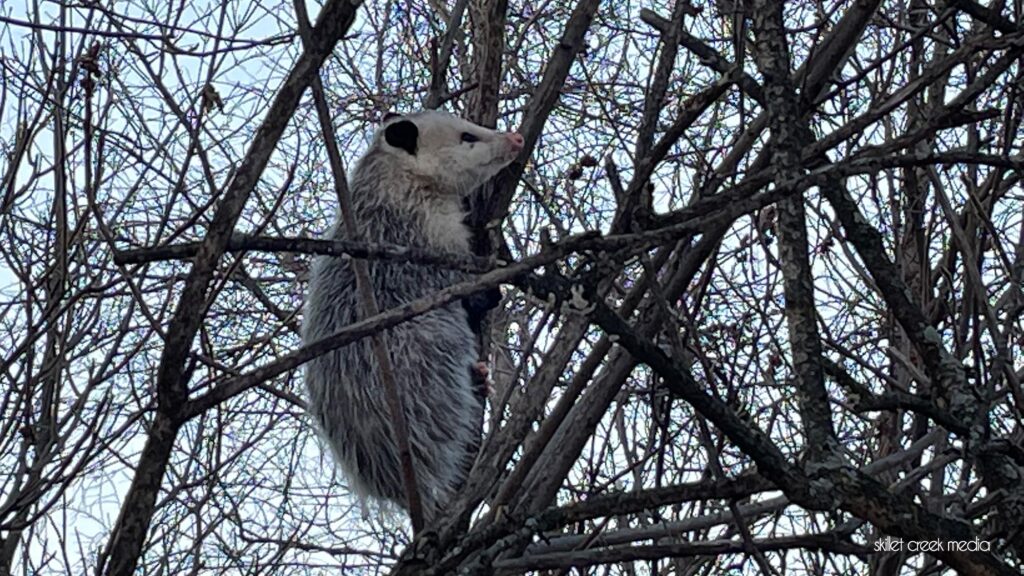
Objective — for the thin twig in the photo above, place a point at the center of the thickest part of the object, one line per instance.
(364, 286)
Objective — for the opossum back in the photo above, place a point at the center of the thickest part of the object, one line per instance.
(431, 355)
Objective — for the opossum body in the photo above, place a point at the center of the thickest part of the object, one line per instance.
(407, 189)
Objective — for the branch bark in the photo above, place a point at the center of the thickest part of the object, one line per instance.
(772, 57)
(125, 544)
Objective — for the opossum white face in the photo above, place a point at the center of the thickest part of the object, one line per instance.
(447, 152)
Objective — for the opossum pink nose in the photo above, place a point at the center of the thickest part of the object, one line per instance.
(516, 139)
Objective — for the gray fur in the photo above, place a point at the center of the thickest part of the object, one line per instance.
(413, 199)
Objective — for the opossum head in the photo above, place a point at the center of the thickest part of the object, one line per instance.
(449, 154)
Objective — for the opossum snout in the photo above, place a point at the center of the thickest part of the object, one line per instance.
(516, 140)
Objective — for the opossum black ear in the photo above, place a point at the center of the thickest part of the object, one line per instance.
(389, 116)
(402, 134)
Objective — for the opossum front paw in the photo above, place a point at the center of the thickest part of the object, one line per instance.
(423, 550)
(482, 383)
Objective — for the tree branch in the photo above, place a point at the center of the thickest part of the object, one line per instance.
(126, 541)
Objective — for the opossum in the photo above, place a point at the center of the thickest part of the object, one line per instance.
(408, 189)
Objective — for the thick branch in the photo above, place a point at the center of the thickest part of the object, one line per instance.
(439, 66)
(354, 249)
(125, 544)
(545, 96)
(773, 60)
(616, 554)
(856, 492)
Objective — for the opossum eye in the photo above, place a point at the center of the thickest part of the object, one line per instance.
(467, 137)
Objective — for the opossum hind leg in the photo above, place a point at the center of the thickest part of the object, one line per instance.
(483, 386)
